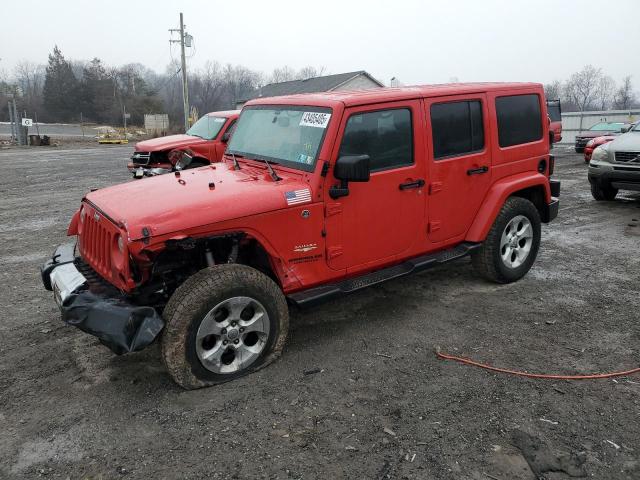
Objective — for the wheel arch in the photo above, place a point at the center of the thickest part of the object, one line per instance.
(532, 186)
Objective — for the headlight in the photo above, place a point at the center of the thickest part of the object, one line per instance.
(590, 143)
(117, 252)
(601, 154)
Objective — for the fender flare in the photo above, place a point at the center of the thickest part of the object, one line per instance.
(497, 195)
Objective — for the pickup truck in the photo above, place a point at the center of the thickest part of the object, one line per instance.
(203, 144)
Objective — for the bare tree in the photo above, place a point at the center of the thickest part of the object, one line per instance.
(286, 73)
(311, 72)
(582, 87)
(207, 88)
(605, 92)
(553, 90)
(625, 97)
(283, 74)
(29, 77)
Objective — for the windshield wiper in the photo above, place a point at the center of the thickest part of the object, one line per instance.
(272, 172)
(236, 165)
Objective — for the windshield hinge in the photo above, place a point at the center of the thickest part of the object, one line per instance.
(325, 169)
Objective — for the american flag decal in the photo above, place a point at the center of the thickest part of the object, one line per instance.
(298, 196)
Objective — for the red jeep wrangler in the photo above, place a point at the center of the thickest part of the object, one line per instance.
(318, 195)
(203, 144)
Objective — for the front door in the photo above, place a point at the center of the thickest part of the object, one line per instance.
(459, 163)
(381, 219)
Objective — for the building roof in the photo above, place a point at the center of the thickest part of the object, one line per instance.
(363, 97)
(309, 85)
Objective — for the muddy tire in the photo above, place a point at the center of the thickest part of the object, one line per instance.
(600, 192)
(222, 323)
(512, 244)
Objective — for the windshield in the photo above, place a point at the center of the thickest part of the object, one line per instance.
(207, 127)
(608, 127)
(289, 135)
(636, 128)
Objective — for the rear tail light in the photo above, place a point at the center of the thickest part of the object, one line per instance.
(552, 164)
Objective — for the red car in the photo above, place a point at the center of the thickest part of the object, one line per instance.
(204, 143)
(318, 195)
(554, 110)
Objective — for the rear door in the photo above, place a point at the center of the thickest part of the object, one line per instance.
(380, 219)
(459, 163)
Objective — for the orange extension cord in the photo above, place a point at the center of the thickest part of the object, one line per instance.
(467, 361)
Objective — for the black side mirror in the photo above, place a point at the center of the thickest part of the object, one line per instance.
(225, 137)
(349, 168)
(625, 129)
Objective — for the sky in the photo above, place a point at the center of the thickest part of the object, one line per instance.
(416, 41)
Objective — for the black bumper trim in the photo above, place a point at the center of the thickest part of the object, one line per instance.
(551, 211)
(118, 324)
(105, 313)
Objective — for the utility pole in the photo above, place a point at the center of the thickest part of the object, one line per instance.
(184, 38)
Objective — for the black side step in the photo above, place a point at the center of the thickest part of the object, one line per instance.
(313, 296)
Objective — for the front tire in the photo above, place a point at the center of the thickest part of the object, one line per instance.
(512, 244)
(603, 193)
(222, 323)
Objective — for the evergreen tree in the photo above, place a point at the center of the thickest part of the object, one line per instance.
(96, 92)
(60, 88)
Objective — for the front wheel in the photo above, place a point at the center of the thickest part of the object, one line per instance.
(512, 244)
(222, 323)
(600, 192)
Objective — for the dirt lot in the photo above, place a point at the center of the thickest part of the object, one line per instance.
(381, 406)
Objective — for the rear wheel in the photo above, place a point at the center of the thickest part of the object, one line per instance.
(601, 192)
(222, 323)
(512, 244)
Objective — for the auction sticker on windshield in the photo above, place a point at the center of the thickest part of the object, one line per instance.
(315, 119)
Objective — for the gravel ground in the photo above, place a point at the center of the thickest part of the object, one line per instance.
(381, 405)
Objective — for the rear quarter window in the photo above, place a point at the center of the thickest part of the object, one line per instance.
(519, 119)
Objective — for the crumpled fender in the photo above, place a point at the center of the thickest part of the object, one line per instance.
(497, 195)
(73, 225)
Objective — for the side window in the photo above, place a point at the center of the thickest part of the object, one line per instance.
(457, 128)
(386, 136)
(519, 119)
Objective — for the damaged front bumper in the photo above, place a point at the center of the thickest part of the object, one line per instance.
(103, 312)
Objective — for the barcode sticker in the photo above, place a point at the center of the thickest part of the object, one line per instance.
(315, 119)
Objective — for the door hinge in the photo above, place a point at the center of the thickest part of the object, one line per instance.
(433, 226)
(332, 209)
(435, 187)
(333, 252)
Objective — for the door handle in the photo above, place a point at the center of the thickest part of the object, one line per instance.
(478, 171)
(413, 184)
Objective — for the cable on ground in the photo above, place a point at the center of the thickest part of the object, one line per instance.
(467, 361)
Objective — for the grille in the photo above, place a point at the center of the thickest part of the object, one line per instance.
(628, 157)
(95, 242)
